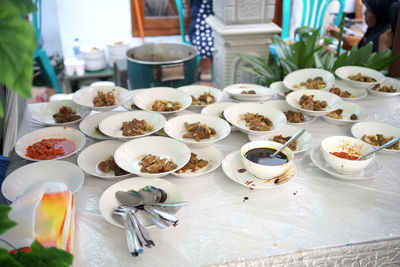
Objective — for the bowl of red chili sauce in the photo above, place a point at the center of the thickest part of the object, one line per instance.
(50, 143)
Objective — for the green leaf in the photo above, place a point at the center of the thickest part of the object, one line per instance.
(6, 259)
(17, 43)
(5, 222)
(282, 49)
(51, 256)
(1, 109)
(21, 6)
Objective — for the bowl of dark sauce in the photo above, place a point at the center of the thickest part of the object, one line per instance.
(256, 156)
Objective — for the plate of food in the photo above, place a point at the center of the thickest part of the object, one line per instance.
(293, 116)
(255, 119)
(164, 100)
(98, 160)
(217, 110)
(197, 130)
(131, 124)
(314, 102)
(282, 90)
(302, 144)
(50, 143)
(347, 92)
(202, 95)
(61, 112)
(108, 202)
(130, 104)
(387, 88)
(314, 79)
(249, 92)
(359, 77)
(152, 156)
(101, 98)
(90, 125)
(349, 113)
(202, 161)
(376, 134)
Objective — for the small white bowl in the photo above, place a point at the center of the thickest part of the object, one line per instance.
(198, 90)
(94, 56)
(73, 135)
(263, 171)
(283, 106)
(128, 104)
(111, 125)
(299, 76)
(349, 145)
(372, 128)
(175, 128)
(262, 92)
(348, 110)
(88, 125)
(387, 82)
(346, 71)
(356, 93)
(282, 90)
(44, 113)
(216, 110)
(334, 101)
(305, 141)
(84, 96)
(91, 156)
(129, 154)
(144, 100)
(232, 114)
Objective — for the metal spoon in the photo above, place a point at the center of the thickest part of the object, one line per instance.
(133, 198)
(291, 140)
(131, 237)
(391, 142)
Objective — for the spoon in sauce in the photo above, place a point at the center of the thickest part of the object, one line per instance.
(392, 142)
(291, 140)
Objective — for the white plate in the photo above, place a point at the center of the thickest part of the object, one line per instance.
(258, 100)
(91, 156)
(232, 163)
(108, 201)
(387, 82)
(262, 92)
(232, 114)
(84, 96)
(334, 101)
(299, 76)
(144, 100)
(371, 171)
(198, 90)
(304, 142)
(282, 90)
(212, 154)
(348, 109)
(88, 125)
(175, 128)
(38, 173)
(111, 125)
(283, 106)
(346, 71)
(356, 93)
(216, 109)
(73, 135)
(133, 93)
(44, 113)
(129, 154)
(373, 128)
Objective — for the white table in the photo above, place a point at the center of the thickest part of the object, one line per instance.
(315, 215)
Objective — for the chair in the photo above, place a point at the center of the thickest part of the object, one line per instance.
(39, 53)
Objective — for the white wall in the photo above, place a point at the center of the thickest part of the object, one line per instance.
(50, 29)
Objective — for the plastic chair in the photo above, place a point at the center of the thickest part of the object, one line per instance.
(40, 54)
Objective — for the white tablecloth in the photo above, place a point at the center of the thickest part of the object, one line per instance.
(313, 212)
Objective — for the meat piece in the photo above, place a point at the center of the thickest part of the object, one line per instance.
(336, 114)
(198, 131)
(353, 117)
(294, 117)
(66, 114)
(104, 99)
(153, 164)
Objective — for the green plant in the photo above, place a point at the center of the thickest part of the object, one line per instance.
(36, 255)
(17, 43)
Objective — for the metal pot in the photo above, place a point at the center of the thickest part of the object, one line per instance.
(162, 64)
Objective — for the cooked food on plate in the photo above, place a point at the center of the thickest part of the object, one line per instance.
(165, 105)
(66, 114)
(294, 117)
(248, 92)
(316, 83)
(336, 114)
(257, 122)
(353, 117)
(341, 93)
(155, 164)
(307, 102)
(385, 89)
(50, 149)
(198, 131)
(204, 99)
(109, 165)
(380, 140)
(361, 78)
(283, 140)
(104, 99)
(193, 165)
(135, 127)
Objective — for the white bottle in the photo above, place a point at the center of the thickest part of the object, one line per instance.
(77, 48)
